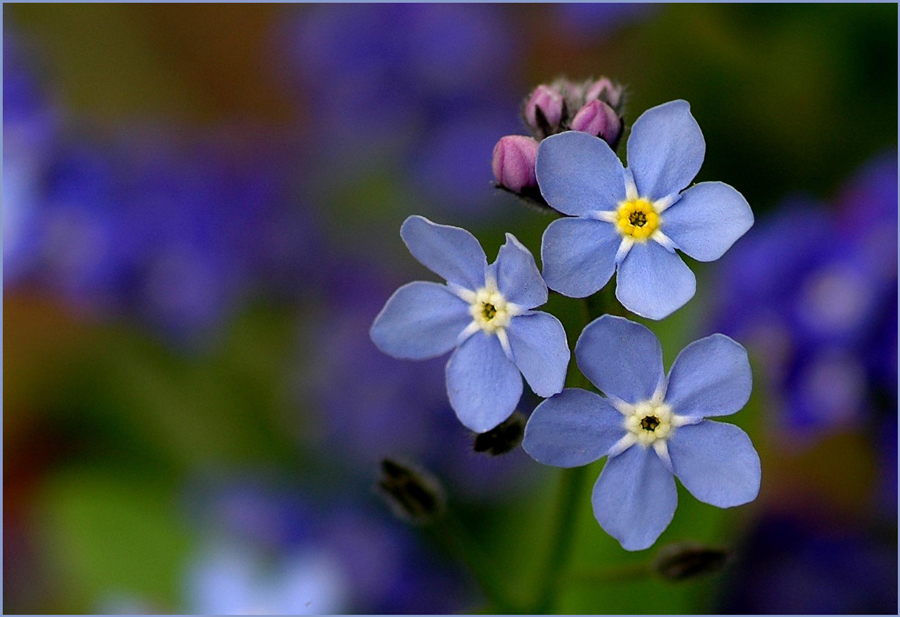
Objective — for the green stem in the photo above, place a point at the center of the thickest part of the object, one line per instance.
(457, 540)
(572, 481)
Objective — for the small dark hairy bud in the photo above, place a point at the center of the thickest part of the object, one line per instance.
(504, 437)
(679, 562)
(413, 494)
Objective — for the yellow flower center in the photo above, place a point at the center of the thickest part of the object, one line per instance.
(490, 310)
(650, 421)
(637, 219)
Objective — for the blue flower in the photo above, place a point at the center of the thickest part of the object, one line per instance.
(651, 426)
(633, 219)
(484, 313)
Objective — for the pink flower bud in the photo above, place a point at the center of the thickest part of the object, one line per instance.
(604, 90)
(570, 90)
(513, 163)
(599, 119)
(550, 102)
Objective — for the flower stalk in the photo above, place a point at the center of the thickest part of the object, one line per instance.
(571, 487)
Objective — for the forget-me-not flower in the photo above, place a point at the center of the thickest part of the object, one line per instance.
(484, 313)
(651, 426)
(633, 219)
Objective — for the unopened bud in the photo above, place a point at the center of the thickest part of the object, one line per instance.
(412, 494)
(544, 110)
(600, 120)
(513, 163)
(604, 90)
(504, 437)
(678, 562)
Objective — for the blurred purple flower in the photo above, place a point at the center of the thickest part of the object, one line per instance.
(881, 350)
(31, 115)
(197, 208)
(174, 229)
(30, 130)
(592, 21)
(228, 579)
(434, 53)
(799, 566)
(169, 226)
(327, 548)
(825, 389)
(21, 196)
(394, 88)
(451, 166)
(868, 212)
(820, 309)
(84, 249)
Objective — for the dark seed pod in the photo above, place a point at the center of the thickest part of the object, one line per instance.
(413, 494)
(678, 562)
(503, 438)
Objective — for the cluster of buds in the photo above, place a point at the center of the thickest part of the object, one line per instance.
(593, 106)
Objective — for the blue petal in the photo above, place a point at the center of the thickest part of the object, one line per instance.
(483, 384)
(707, 220)
(622, 358)
(517, 275)
(716, 462)
(448, 251)
(634, 498)
(540, 350)
(710, 377)
(665, 149)
(652, 282)
(579, 173)
(579, 255)
(421, 320)
(574, 428)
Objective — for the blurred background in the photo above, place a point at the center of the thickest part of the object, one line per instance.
(201, 206)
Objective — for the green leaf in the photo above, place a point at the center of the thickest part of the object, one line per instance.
(108, 533)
